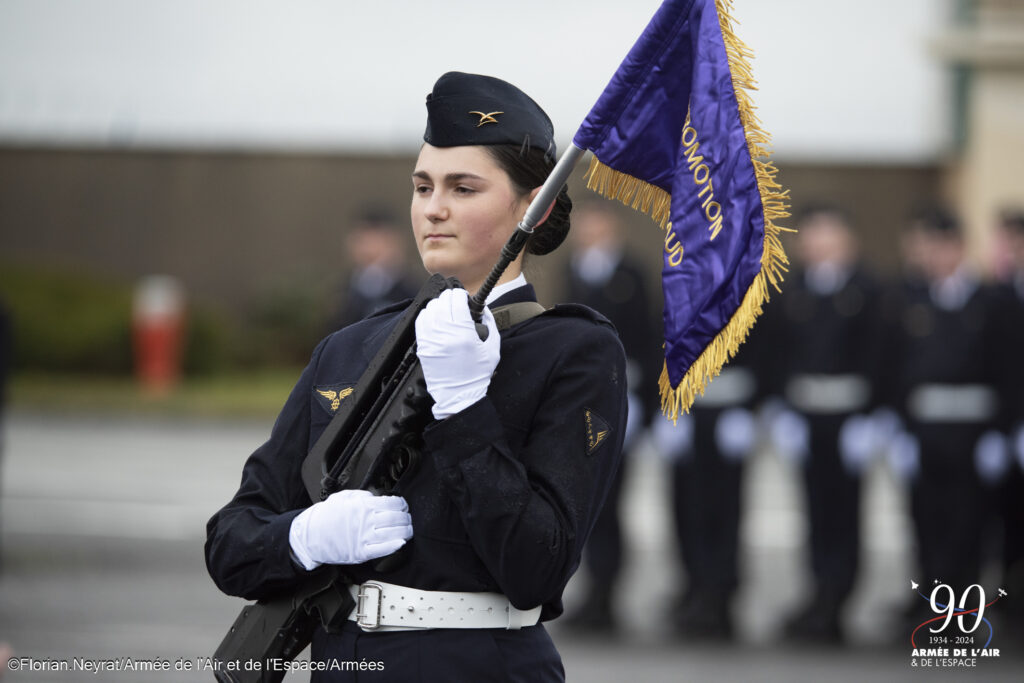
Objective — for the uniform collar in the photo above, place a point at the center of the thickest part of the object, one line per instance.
(501, 290)
(514, 295)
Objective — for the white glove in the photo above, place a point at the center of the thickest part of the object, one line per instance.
(673, 442)
(735, 433)
(791, 436)
(887, 425)
(350, 527)
(456, 364)
(905, 456)
(634, 420)
(1020, 448)
(991, 456)
(858, 441)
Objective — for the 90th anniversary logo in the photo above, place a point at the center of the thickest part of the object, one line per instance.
(954, 638)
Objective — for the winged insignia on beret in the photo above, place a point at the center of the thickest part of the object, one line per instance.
(486, 118)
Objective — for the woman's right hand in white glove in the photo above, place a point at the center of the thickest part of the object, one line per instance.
(350, 527)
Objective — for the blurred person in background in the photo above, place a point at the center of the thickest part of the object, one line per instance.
(375, 247)
(954, 391)
(910, 284)
(1010, 496)
(825, 343)
(6, 364)
(603, 277)
(707, 449)
(913, 244)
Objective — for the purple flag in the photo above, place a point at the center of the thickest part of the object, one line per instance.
(674, 135)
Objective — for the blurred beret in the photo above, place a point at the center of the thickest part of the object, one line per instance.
(938, 221)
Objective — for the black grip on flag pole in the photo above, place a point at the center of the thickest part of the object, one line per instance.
(535, 214)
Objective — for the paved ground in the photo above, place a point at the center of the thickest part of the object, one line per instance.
(102, 529)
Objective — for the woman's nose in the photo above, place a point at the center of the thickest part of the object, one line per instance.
(437, 208)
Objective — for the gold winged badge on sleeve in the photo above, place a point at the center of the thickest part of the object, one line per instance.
(335, 397)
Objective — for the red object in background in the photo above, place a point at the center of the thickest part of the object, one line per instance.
(158, 322)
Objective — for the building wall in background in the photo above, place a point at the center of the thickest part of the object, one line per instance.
(235, 227)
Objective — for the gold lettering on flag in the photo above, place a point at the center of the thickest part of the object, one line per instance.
(702, 176)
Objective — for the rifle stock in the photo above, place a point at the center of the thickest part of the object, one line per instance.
(270, 633)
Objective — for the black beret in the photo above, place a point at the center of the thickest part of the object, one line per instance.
(468, 109)
(938, 221)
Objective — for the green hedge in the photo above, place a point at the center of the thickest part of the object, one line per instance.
(76, 322)
(79, 322)
(67, 322)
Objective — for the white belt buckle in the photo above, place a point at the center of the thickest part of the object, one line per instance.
(368, 606)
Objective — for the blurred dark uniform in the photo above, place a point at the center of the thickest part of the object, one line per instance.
(378, 277)
(1010, 495)
(610, 283)
(953, 387)
(707, 491)
(826, 341)
(370, 290)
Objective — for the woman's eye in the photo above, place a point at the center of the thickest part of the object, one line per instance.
(464, 190)
(421, 189)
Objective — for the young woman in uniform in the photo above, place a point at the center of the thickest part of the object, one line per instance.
(525, 438)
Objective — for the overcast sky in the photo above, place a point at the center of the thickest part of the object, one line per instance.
(844, 81)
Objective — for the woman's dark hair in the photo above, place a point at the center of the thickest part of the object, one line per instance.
(529, 168)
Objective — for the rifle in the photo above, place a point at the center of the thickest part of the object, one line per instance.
(371, 443)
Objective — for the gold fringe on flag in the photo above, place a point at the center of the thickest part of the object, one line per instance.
(656, 202)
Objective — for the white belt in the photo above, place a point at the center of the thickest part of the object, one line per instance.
(965, 403)
(732, 387)
(828, 394)
(386, 607)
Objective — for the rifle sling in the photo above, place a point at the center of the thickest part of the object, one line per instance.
(513, 314)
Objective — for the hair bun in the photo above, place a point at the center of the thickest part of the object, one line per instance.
(551, 233)
(528, 168)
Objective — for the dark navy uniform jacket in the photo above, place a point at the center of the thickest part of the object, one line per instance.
(506, 492)
(969, 345)
(833, 334)
(624, 300)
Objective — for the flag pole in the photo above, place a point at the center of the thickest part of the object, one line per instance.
(535, 214)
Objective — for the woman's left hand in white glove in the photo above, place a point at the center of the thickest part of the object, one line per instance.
(456, 364)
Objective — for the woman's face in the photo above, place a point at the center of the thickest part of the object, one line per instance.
(464, 208)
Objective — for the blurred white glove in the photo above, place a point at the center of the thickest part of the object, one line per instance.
(887, 425)
(634, 420)
(735, 432)
(905, 456)
(673, 441)
(350, 527)
(858, 441)
(791, 436)
(1020, 448)
(991, 456)
(456, 364)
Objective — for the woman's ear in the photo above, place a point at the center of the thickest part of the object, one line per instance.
(533, 195)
